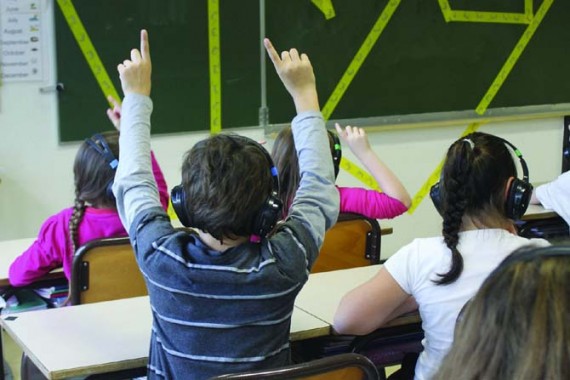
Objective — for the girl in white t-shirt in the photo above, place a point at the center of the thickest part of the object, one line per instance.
(478, 196)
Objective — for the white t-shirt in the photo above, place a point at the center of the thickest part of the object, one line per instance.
(555, 195)
(415, 265)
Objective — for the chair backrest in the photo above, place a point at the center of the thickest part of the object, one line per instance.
(348, 366)
(105, 270)
(354, 241)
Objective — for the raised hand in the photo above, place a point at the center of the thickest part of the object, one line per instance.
(135, 73)
(355, 138)
(296, 73)
(114, 114)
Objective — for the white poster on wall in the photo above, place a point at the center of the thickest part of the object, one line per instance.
(21, 40)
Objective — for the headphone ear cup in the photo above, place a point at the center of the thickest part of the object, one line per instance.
(518, 198)
(268, 216)
(109, 191)
(435, 195)
(178, 199)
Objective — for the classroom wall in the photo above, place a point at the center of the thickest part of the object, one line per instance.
(36, 171)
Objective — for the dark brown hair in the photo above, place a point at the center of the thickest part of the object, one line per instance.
(474, 177)
(92, 175)
(286, 161)
(227, 179)
(516, 326)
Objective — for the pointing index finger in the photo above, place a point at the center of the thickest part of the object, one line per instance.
(271, 51)
(145, 48)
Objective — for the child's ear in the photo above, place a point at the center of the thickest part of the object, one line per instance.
(508, 187)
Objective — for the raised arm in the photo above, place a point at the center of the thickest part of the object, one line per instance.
(114, 115)
(357, 141)
(316, 202)
(134, 186)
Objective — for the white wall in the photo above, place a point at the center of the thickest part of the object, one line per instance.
(36, 171)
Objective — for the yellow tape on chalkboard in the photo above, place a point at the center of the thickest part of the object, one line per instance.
(359, 58)
(484, 16)
(82, 38)
(347, 78)
(325, 6)
(498, 82)
(215, 66)
(513, 57)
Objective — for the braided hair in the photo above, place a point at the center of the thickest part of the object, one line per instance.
(474, 177)
(92, 175)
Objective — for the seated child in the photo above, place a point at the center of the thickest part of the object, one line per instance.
(222, 298)
(94, 214)
(394, 200)
(478, 197)
(516, 326)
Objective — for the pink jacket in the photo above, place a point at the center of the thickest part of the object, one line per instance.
(370, 203)
(52, 248)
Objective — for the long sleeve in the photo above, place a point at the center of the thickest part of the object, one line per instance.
(370, 203)
(135, 188)
(316, 202)
(160, 182)
(46, 253)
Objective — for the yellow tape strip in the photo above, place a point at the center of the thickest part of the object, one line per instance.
(513, 57)
(434, 177)
(359, 58)
(347, 78)
(326, 7)
(493, 89)
(528, 8)
(87, 48)
(489, 17)
(215, 66)
(359, 173)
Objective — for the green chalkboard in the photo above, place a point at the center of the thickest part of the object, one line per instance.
(419, 65)
(178, 32)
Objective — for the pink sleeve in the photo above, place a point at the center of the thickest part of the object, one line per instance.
(45, 254)
(370, 203)
(160, 182)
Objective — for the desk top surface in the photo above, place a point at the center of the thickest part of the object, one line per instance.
(535, 212)
(118, 333)
(322, 293)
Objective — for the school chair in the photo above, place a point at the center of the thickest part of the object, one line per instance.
(391, 346)
(105, 270)
(102, 270)
(339, 367)
(354, 241)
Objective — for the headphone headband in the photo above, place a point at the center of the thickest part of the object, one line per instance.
(265, 219)
(98, 142)
(519, 191)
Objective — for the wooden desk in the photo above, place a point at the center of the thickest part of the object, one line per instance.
(322, 293)
(9, 250)
(104, 337)
(537, 212)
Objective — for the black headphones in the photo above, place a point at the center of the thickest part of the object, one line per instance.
(267, 216)
(518, 194)
(336, 153)
(98, 142)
